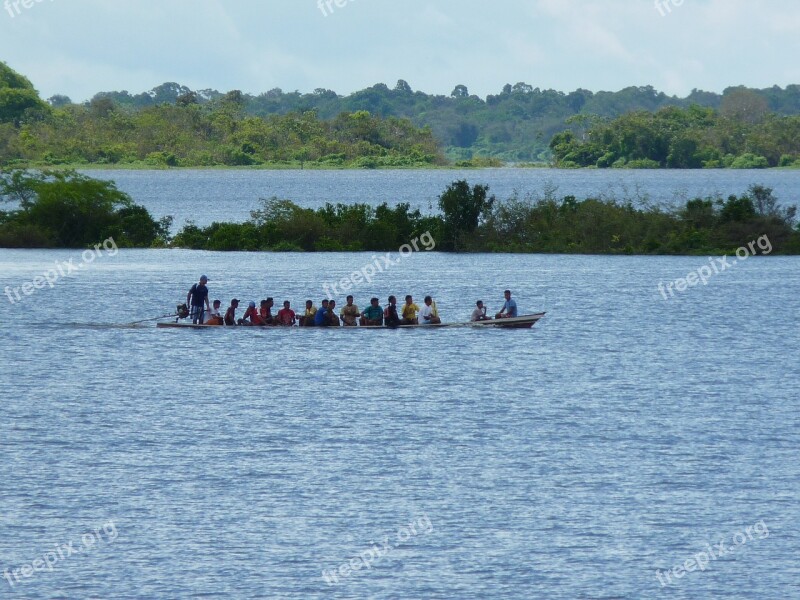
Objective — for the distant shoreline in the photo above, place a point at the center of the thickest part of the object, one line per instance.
(290, 167)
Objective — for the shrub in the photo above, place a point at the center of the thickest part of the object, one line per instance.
(69, 210)
(750, 161)
(643, 163)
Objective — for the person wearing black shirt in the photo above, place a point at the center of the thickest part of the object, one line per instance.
(197, 299)
(390, 316)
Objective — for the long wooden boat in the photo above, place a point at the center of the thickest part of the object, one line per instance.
(521, 322)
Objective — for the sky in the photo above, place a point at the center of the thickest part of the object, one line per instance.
(81, 47)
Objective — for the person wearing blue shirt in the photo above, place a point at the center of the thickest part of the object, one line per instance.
(321, 317)
(509, 308)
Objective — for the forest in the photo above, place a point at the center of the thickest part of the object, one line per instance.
(187, 133)
(174, 126)
(683, 138)
(515, 125)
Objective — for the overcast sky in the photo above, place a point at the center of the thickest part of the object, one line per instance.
(80, 47)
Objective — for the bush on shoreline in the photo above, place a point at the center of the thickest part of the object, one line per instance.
(473, 222)
(64, 209)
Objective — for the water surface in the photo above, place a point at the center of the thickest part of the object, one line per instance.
(621, 435)
(205, 196)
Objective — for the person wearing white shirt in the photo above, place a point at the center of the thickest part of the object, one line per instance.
(214, 317)
(429, 314)
(479, 314)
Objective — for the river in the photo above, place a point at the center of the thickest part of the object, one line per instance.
(205, 196)
(584, 458)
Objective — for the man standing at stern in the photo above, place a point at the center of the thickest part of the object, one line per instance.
(197, 299)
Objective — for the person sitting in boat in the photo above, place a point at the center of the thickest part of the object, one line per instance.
(333, 318)
(197, 298)
(265, 312)
(509, 308)
(373, 315)
(307, 318)
(286, 316)
(429, 315)
(350, 313)
(479, 314)
(410, 311)
(322, 318)
(230, 314)
(390, 316)
(250, 316)
(215, 317)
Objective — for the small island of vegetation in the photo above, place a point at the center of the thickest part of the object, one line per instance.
(67, 209)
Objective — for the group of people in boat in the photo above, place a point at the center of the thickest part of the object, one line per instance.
(204, 313)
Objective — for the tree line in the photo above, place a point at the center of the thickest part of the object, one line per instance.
(172, 125)
(192, 134)
(471, 220)
(67, 209)
(514, 125)
(741, 137)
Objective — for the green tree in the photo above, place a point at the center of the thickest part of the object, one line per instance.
(70, 210)
(18, 100)
(745, 105)
(460, 91)
(464, 208)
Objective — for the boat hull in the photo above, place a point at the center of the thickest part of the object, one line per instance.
(521, 322)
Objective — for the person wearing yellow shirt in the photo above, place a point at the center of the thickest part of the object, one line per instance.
(307, 318)
(410, 311)
(350, 313)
